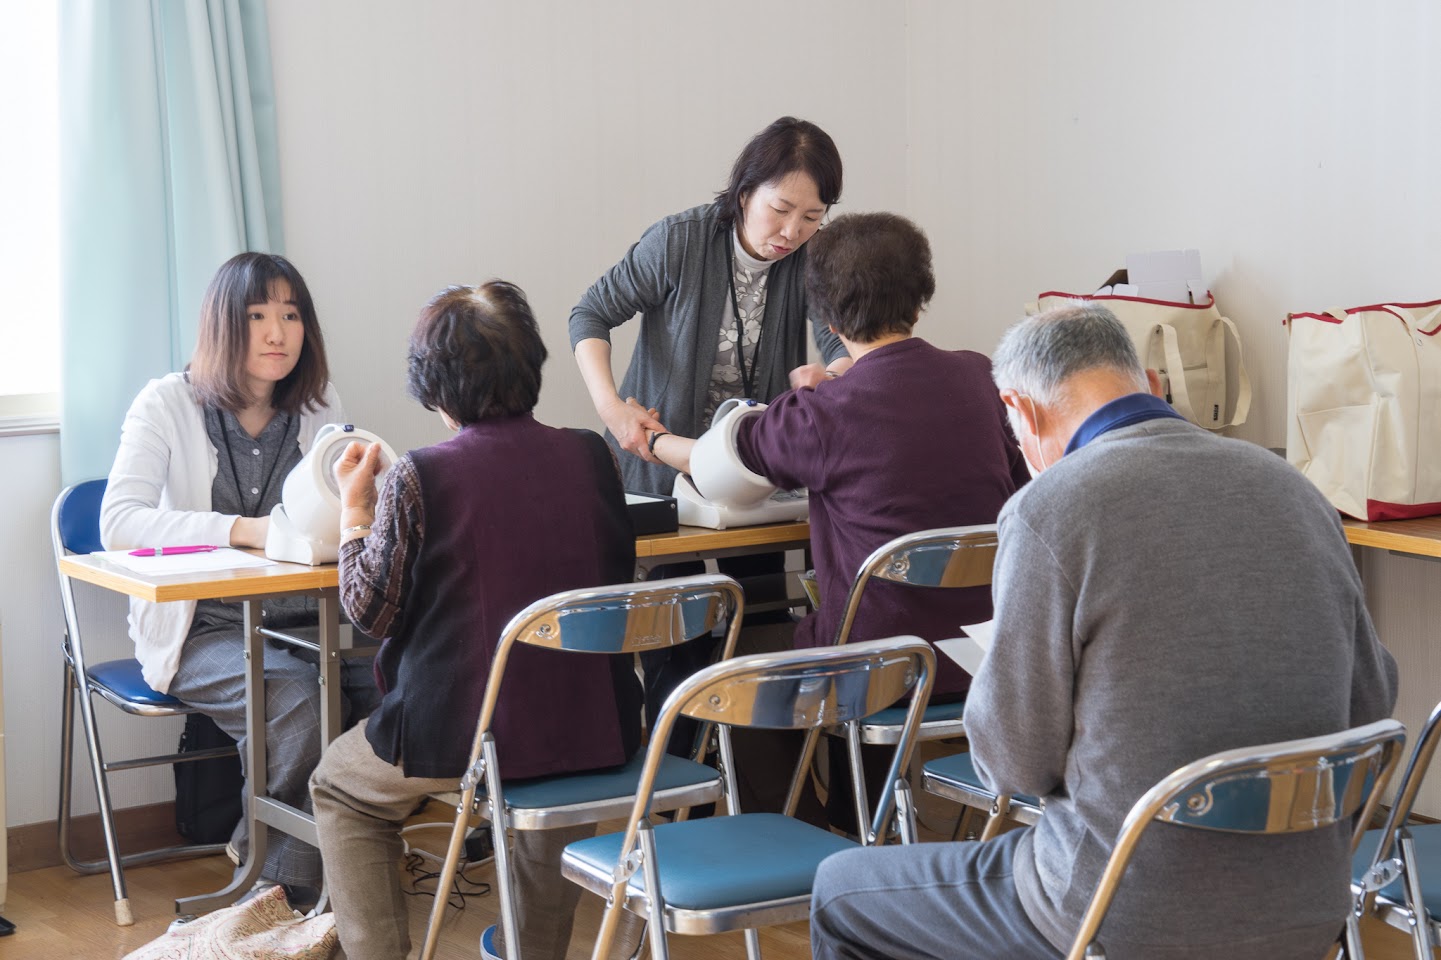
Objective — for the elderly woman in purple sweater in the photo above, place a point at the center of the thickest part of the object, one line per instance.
(912, 437)
(464, 534)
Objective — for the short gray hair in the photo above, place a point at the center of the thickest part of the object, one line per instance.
(1037, 355)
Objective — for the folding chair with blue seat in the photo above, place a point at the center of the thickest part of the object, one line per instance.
(947, 558)
(1397, 869)
(955, 778)
(1287, 787)
(622, 619)
(748, 870)
(75, 528)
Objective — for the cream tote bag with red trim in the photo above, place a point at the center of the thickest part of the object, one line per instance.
(1364, 407)
(1186, 344)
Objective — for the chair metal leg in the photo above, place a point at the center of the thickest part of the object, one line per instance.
(447, 871)
(67, 757)
(858, 783)
(753, 943)
(499, 823)
(1420, 920)
(1351, 948)
(905, 812)
(659, 949)
(802, 771)
(76, 687)
(609, 920)
(999, 810)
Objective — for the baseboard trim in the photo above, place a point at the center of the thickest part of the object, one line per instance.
(34, 846)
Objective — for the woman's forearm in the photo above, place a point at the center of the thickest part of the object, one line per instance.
(593, 357)
(674, 451)
(627, 422)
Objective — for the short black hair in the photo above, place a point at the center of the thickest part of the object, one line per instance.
(784, 147)
(869, 274)
(476, 353)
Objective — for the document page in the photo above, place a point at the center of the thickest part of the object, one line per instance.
(970, 650)
(226, 558)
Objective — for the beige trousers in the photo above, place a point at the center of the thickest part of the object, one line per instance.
(361, 803)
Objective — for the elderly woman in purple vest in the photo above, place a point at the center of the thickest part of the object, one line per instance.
(462, 535)
(912, 437)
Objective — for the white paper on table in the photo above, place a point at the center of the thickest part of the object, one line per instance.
(970, 650)
(225, 558)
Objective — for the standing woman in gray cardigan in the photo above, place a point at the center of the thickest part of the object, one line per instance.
(703, 280)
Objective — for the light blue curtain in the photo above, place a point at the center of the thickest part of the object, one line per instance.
(168, 168)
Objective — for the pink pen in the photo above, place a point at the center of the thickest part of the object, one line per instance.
(171, 551)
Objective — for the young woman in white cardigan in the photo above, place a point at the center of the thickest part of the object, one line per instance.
(202, 460)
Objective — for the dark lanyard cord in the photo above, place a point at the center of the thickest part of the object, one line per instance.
(746, 375)
(235, 475)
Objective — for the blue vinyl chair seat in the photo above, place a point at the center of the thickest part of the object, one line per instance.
(720, 862)
(961, 770)
(123, 678)
(895, 716)
(1428, 852)
(609, 784)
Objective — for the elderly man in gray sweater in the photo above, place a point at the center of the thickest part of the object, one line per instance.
(1161, 594)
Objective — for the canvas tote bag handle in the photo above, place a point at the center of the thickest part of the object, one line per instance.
(1175, 370)
(1426, 324)
(1243, 391)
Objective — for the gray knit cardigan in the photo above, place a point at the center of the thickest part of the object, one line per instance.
(675, 276)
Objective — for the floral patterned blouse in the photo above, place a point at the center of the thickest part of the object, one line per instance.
(750, 287)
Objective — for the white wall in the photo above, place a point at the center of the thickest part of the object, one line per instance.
(535, 142)
(33, 624)
(1037, 142)
(1292, 142)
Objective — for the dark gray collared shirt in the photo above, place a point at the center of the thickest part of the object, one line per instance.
(251, 473)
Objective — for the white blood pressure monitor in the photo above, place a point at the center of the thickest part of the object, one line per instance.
(305, 524)
(721, 491)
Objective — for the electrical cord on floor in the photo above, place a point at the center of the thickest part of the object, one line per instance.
(462, 887)
(420, 865)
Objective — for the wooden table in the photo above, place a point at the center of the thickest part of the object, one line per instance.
(251, 585)
(1415, 538)
(700, 543)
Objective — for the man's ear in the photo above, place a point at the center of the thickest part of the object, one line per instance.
(1153, 380)
(1026, 411)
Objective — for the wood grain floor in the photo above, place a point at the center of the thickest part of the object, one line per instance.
(61, 914)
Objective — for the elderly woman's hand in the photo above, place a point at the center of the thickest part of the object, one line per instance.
(356, 471)
(630, 422)
(812, 374)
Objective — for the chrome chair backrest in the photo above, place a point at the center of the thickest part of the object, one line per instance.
(792, 690)
(780, 692)
(1287, 787)
(620, 619)
(627, 618)
(802, 690)
(948, 557)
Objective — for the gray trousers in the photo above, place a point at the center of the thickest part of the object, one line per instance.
(361, 802)
(211, 677)
(928, 901)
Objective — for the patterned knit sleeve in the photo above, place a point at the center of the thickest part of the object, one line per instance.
(376, 570)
